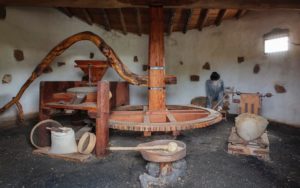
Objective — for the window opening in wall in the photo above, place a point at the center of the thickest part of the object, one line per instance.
(276, 41)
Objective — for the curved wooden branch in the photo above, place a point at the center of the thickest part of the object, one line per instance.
(20, 112)
(107, 51)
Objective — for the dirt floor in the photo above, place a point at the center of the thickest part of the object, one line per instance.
(209, 165)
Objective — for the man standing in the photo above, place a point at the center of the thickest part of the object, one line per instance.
(214, 90)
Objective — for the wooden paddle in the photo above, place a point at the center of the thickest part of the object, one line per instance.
(171, 147)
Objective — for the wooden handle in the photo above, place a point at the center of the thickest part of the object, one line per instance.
(158, 147)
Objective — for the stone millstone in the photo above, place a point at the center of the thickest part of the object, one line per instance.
(83, 90)
(250, 126)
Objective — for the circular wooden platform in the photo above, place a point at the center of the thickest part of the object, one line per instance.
(175, 118)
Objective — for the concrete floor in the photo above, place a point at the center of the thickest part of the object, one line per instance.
(209, 165)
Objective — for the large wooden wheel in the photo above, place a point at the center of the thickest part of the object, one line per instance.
(175, 118)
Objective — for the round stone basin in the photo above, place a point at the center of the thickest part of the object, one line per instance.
(160, 156)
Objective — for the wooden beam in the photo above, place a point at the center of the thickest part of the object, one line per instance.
(202, 18)
(139, 21)
(122, 20)
(102, 130)
(87, 16)
(240, 13)
(187, 17)
(218, 4)
(66, 11)
(156, 90)
(220, 17)
(2, 13)
(171, 21)
(106, 19)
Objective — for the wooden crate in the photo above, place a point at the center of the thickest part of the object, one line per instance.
(258, 147)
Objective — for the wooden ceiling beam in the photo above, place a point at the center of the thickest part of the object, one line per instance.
(218, 4)
(122, 20)
(220, 17)
(2, 13)
(171, 21)
(87, 16)
(188, 15)
(202, 18)
(139, 21)
(240, 13)
(106, 19)
(66, 11)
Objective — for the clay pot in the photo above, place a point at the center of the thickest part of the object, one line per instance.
(250, 126)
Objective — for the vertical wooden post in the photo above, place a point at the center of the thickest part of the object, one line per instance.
(102, 130)
(157, 101)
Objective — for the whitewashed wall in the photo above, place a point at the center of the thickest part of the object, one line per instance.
(37, 31)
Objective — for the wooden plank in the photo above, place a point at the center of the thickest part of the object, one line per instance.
(171, 21)
(157, 101)
(88, 106)
(2, 12)
(219, 4)
(66, 11)
(87, 16)
(102, 130)
(220, 17)
(122, 20)
(188, 15)
(139, 21)
(202, 18)
(76, 157)
(240, 13)
(106, 19)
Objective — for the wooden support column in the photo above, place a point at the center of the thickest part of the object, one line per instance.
(102, 130)
(157, 101)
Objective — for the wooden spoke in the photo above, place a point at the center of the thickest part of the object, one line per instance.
(146, 116)
(170, 116)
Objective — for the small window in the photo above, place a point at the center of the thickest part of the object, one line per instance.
(276, 41)
(277, 45)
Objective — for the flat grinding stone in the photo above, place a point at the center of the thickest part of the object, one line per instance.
(82, 90)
